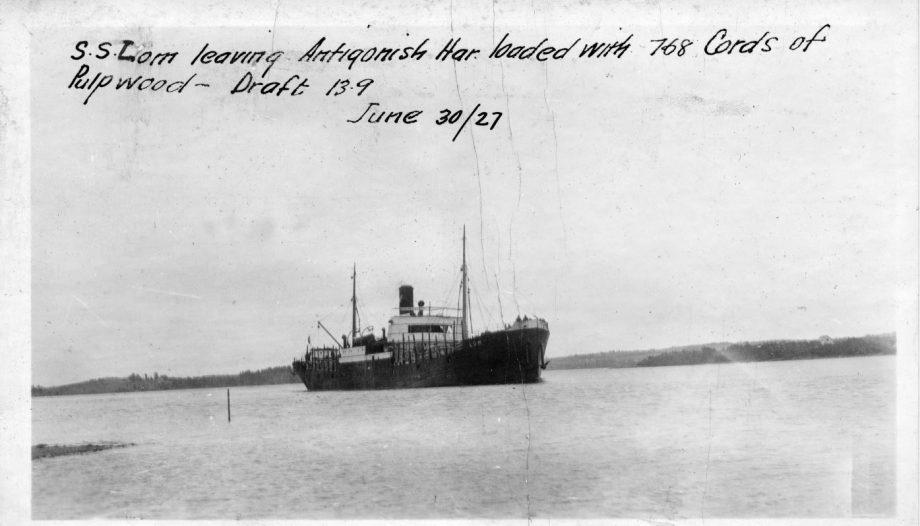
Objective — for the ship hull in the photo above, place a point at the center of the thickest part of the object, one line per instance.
(502, 357)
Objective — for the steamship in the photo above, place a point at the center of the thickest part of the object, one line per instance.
(426, 347)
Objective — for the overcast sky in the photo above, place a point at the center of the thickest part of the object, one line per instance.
(639, 203)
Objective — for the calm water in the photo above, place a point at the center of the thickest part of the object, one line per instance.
(805, 439)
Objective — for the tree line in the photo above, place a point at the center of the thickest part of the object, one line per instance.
(158, 382)
(619, 359)
(722, 352)
(779, 350)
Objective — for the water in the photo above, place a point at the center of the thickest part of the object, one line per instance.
(784, 439)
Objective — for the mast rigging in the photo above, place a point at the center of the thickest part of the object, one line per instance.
(354, 302)
(464, 328)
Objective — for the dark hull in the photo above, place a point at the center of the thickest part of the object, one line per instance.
(510, 356)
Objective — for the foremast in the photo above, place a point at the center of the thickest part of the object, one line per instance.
(464, 327)
(354, 302)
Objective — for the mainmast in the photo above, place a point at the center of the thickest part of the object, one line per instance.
(464, 330)
(354, 303)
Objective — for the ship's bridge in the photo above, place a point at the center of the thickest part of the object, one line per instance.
(427, 323)
(432, 326)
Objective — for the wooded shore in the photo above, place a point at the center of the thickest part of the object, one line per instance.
(161, 382)
(717, 352)
(725, 352)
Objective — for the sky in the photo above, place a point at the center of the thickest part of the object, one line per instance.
(635, 203)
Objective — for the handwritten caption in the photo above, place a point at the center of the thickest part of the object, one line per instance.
(260, 80)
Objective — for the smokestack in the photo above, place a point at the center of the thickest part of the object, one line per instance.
(405, 300)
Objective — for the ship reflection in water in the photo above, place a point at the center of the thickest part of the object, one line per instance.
(427, 348)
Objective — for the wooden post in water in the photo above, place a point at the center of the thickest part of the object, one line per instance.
(228, 405)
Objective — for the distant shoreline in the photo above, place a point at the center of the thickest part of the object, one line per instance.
(724, 352)
(157, 382)
(720, 352)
